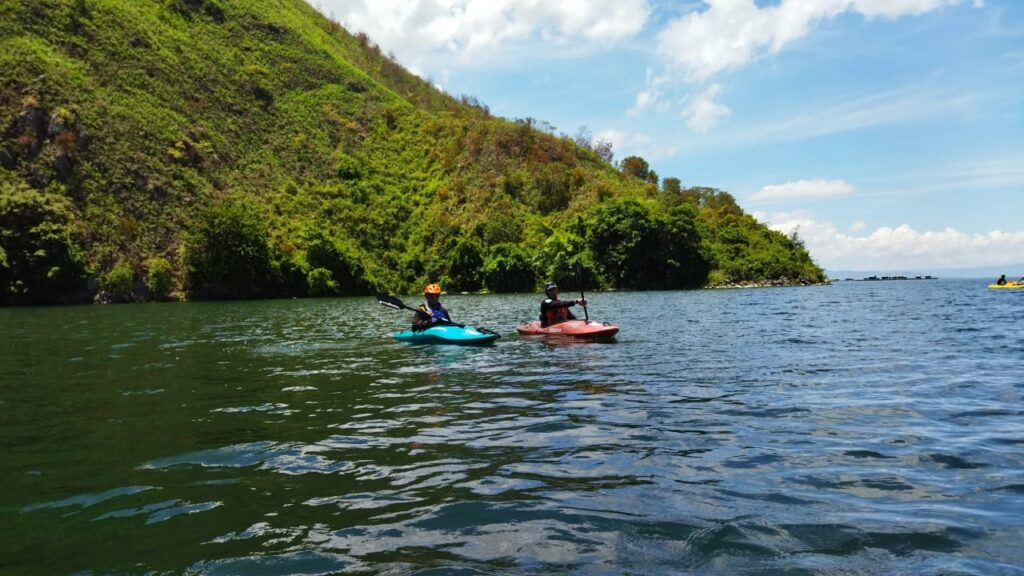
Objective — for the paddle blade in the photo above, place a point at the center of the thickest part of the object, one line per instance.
(390, 301)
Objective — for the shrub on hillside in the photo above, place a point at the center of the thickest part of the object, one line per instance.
(228, 255)
(117, 282)
(635, 246)
(337, 259)
(40, 260)
(507, 269)
(187, 8)
(321, 282)
(465, 266)
(158, 278)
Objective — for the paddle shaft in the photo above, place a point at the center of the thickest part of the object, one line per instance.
(579, 279)
(391, 302)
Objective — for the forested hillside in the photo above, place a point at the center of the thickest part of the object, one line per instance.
(152, 149)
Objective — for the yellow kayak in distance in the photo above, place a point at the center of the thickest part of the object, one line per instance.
(1007, 285)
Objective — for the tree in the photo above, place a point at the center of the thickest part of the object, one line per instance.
(228, 255)
(40, 259)
(158, 278)
(583, 138)
(672, 186)
(465, 264)
(623, 238)
(723, 203)
(507, 269)
(636, 167)
(604, 150)
(334, 266)
(652, 178)
(634, 246)
(687, 257)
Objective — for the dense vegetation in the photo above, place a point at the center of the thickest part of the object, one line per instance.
(228, 149)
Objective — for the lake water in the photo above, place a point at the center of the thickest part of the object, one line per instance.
(860, 428)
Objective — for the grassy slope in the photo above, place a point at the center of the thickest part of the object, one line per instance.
(148, 111)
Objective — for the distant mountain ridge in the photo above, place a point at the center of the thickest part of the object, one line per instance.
(240, 149)
(1013, 271)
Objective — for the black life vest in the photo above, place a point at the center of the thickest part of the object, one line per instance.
(549, 316)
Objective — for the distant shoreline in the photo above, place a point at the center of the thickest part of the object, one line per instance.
(887, 278)
(776, 283)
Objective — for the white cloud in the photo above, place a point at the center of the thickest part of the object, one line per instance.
(731, 33)
(704, 113)
(900, 248)
(650, 95)
(1002, 172)
(818, 188)
(635, 143)
(473, 30)
(858, 225)
(621, 138)
(644, 99)
(897, 8)
(904, 105)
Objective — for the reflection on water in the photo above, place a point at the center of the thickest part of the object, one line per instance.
(858, 428)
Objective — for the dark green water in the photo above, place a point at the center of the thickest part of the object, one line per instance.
(862, 428)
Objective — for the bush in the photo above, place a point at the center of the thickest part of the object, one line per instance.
(465, 266)
(228, 255)
(507, 269)
(321, 282)
(158, 278)
(349, 168)
(558, 254)
(623, 238)
(117, 282)
(337, 259)
(634, 246)
(687, 257)
(211, 8)
(40, 260)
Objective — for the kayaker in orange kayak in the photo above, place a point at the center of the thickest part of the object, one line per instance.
(431, 312)
(553, 310)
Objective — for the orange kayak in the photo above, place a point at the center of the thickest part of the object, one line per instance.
(571, 328)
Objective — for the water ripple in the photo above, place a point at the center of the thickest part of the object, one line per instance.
(855, 429)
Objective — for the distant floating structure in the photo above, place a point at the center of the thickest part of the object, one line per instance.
(880, 278)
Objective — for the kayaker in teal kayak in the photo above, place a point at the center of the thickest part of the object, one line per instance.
(431, 312)
(553, 310)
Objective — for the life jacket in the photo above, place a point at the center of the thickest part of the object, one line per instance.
(553, 315)
(436, 315)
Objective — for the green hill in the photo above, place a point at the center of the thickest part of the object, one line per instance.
(233, 149)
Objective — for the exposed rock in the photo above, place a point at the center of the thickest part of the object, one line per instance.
(773, 283)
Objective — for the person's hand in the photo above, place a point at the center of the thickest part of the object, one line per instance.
(581, 301)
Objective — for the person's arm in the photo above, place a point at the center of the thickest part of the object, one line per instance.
(420, 320)
(547, 304)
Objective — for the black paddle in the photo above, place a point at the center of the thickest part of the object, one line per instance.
(579, 278)
(392, 302)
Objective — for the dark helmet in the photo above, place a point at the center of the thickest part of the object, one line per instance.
(549, 286)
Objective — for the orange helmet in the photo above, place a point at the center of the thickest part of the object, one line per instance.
(432, 289)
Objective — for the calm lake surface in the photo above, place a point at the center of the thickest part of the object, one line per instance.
(860, 428)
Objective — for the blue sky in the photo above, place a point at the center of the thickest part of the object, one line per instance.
(891, 132)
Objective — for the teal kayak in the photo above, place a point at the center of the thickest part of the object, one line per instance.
(448, 334)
